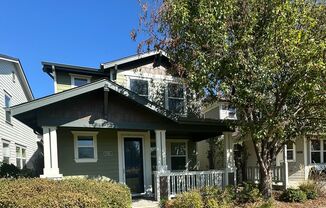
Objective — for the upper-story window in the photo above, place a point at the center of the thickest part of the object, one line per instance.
(79, 80)
(175, 97)
(7, 105)
(140, 87)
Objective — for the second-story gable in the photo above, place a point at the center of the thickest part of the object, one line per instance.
(148, 75)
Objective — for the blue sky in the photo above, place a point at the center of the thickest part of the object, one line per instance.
(77, 32)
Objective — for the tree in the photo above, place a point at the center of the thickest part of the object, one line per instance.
(266, 57)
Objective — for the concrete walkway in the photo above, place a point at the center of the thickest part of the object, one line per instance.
(144, 203)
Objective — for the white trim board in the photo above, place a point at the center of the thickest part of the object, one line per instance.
(146, 157)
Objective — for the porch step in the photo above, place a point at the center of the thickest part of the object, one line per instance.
(144, 203)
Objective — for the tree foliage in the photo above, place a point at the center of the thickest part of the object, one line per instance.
(266, 57)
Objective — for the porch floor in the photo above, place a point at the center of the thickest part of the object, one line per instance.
(144, 203)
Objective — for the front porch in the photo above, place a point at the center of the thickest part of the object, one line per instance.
(152, 163)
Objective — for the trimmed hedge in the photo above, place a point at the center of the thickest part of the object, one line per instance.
(81, 193)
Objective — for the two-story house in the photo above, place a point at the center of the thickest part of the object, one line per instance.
(126, 120)
(18, 141)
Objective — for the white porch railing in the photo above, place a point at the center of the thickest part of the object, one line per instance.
(253, 174)
(170, 184)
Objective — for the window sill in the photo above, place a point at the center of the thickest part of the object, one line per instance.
(9, 123)
(86, 160)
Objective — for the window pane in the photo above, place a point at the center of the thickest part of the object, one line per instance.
(324, 157)
(315, 157)
(139, 86)
(290, 155)
(5, 150)
(153, 149)
(18, 153)
(175, 90)
(80, 81)
(23, 153)
(178, 163)
(5, 160)
(289, 145)
(85, 141)
(7, 101)
(18, 164)
(24, 162)
(315, 145)
(176, 105)
(8, 116)
(178, 149)
(85, 152)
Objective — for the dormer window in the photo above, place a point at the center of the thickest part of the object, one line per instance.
(79, 80)
(140, 87)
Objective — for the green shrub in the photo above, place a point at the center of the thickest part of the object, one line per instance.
(8, 171)
(310, 188)
(249, 193)
(293, 195)
(37, 193)
(191, 199)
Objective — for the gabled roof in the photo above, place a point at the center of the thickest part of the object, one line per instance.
(20, 74)
(51, 99)
(132, 58)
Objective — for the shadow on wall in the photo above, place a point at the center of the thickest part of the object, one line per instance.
(36, 162)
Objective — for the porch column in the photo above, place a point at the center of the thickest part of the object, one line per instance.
(305, 157)
(229, 157)
(50, 152)
(286, 166)
(160, 150)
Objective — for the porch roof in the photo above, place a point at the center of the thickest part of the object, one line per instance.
(105, 104)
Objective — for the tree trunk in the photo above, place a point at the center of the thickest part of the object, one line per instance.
(265, 184)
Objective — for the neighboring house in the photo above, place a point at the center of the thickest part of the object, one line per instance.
(127, 121)
(18, 141)
(291, 168)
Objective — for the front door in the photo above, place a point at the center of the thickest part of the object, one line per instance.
(134, 172)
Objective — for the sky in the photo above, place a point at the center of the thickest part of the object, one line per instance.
(76, 32)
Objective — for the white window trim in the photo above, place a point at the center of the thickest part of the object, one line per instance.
(80, 76)
(179, 141)
(85, 133)
(129, 78)
(21, 147)
(184, 96)
(5, 142)
(294, 153)
(321, 151)
(5, 108)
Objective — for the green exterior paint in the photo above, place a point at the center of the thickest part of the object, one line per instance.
(107, 141)
(64, 80)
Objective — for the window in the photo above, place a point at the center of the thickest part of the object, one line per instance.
(178, 155)
(79, 80)
(318, 151)
(13, 77)
(20, 157)
(5, 152)
(7, 106)
(140, 87)
(85, 146)
(291, 151)
(176, 98)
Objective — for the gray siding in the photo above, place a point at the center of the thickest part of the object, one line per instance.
(107, 166)
(16, 132)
